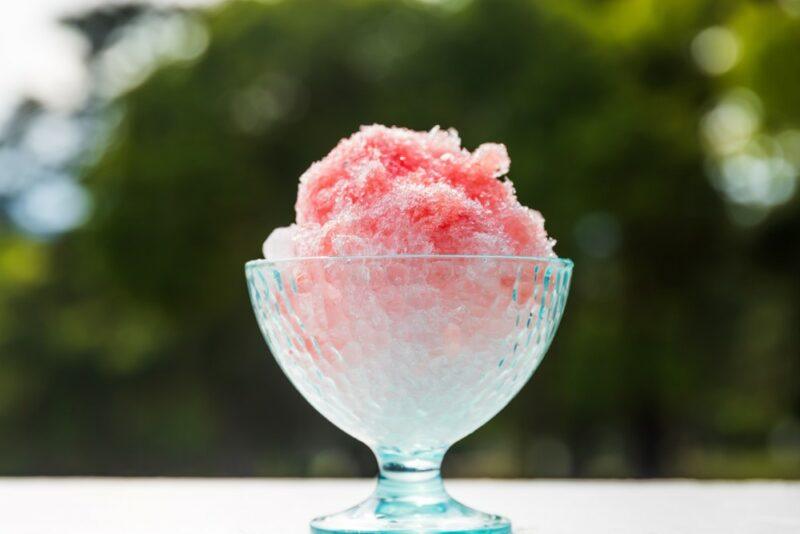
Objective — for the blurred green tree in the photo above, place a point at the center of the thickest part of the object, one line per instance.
(129, 346)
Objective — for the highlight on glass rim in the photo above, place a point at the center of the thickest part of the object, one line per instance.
(427, 197)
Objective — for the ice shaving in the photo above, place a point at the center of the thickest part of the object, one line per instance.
(393, 191)
(409, 302)
(409, 254)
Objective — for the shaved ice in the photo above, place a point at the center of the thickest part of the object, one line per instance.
(380, 339)
(393, 191)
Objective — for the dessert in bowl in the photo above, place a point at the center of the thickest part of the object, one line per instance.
(382, 311)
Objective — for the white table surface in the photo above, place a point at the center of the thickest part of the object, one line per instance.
(279, 506)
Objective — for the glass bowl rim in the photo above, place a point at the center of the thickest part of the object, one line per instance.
(564, 262)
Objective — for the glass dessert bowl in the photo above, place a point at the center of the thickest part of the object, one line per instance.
(409, 354)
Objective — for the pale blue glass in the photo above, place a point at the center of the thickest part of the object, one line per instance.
(409, 354)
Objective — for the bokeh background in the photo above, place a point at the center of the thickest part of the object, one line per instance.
(147, 149)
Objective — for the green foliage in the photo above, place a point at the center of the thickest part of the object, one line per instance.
(129, 346)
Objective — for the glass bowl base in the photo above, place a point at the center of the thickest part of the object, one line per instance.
(402, 516)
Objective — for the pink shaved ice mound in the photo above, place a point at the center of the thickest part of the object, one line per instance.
(390, 191)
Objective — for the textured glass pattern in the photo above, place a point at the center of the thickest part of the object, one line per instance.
(409, 353)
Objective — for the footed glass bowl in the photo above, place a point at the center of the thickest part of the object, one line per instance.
(409, 354)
